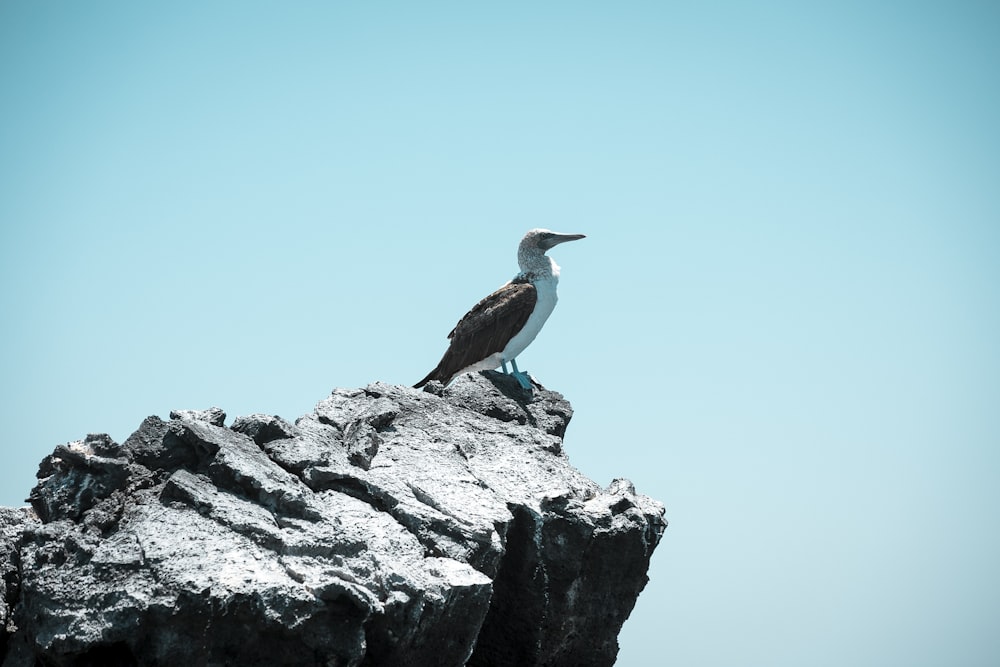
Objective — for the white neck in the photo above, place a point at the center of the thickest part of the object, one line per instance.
(536, 265)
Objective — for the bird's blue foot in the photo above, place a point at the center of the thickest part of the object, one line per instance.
(522, 378)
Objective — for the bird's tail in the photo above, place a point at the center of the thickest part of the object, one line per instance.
(430, 376)
(433, 375)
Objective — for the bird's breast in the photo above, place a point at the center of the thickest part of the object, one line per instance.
(545, 292)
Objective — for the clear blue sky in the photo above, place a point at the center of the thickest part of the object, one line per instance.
(784, 322)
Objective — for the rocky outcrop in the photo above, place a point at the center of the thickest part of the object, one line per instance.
(390, 526)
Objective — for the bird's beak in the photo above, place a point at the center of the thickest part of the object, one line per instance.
(555, 239)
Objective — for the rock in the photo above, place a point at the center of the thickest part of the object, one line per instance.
(390, 526)
(13, 523)
(214, 416)
(263, 429)
(77, 476)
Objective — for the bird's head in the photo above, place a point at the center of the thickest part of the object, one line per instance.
(531, 253)
(543, 239)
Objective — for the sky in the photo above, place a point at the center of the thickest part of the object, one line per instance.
(783, 323)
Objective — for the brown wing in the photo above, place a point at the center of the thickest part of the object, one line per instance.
(485, 329)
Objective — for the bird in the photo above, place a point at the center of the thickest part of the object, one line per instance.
(503, 324)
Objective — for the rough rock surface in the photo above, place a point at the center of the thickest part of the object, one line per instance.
(390, 526)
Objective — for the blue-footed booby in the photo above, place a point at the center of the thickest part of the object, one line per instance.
(499, 327)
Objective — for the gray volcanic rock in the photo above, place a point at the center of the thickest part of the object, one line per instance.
(13, 523)
(390, 526)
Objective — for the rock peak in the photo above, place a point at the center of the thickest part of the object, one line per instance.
(389, 526)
